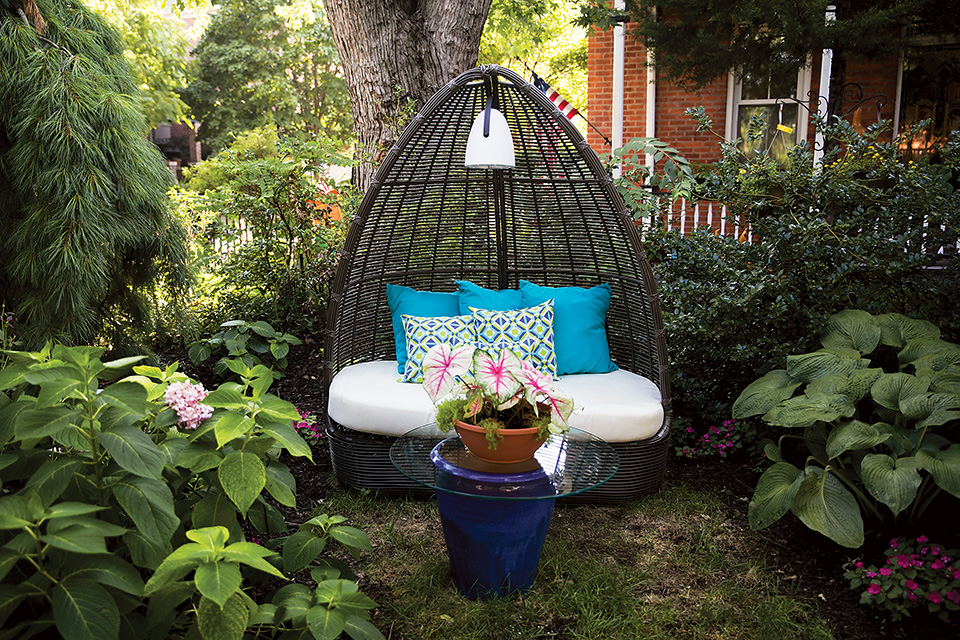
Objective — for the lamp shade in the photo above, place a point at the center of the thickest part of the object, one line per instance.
(493, 151)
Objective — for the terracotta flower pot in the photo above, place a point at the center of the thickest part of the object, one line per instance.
(516, 445)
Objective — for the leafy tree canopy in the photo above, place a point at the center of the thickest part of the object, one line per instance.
(697, 41)
(85, 232)
(267, 61)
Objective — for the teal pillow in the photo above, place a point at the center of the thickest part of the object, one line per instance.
(472, 295)
(579, 325)
(527, 332)
(406, 301)
(423, 333)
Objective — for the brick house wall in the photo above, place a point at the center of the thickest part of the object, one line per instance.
(679, 130)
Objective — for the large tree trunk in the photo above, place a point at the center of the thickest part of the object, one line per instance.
(395, 50)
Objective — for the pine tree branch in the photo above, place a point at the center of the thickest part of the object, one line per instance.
(40, 27)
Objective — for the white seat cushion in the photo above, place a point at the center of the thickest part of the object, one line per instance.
(618, 406)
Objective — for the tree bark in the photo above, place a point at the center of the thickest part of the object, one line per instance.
(395, 50)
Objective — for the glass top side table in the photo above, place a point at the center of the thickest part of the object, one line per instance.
(495, 516)
(572, 463)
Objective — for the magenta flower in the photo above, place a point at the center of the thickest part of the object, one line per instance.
(935, 597)
(184, 398)
(859, 565)
(922, 539)
(911, 597)
(895, 543)
(871, 574)
(953, 596)
(885, 571)
(904, 562)
(874, 588)
(910, 584)
(937, 564)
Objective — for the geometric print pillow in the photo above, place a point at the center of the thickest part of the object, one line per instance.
(423, 333)
(528, 332)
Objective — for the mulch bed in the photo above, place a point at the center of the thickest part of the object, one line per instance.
(807, 563)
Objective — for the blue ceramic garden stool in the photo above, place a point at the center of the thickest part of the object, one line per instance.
(494, 536)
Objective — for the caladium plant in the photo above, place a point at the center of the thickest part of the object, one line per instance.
(492, 390)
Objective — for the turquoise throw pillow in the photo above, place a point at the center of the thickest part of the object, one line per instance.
(423, 333)
(579, 325)
(472, 295)
(527, 332)
(406, 301)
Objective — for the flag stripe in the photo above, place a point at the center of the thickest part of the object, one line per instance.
(565, 107)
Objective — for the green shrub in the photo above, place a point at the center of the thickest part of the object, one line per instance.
(251, 342)
(124, 506)
(873, 409)
(867, 229)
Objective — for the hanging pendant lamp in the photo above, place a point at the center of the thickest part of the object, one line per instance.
(490, 145)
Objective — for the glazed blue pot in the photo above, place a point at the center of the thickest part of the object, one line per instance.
(494, 536)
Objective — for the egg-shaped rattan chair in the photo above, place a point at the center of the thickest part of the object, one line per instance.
(555, 219)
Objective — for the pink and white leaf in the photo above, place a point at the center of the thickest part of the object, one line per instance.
(474, 402)
(442, 365)
(561, 408)
(494, 374)
(503, 406)
(535, 384)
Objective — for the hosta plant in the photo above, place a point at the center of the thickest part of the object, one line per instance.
(874, 410)
(492, 390)
(253, 342)
(125, 501)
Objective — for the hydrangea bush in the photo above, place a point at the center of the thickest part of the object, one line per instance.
(917, 575)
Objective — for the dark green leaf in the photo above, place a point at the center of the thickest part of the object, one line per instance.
(218, 580)
(84, 610)
(300, 549)
(826, 506)
(243, 477)
(133, 450)
(226, 623)
(774, 494)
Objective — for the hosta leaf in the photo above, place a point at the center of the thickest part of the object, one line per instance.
(806, 410)
(944, 466)
(774, 494)
(942, 381)
(851, 329)
(764, 394)
(326, 624)
(897, 330)
(243, 477)
(810, 366)
(149, 503)
(932, 409)
(891, 389)
(133, 450)
(300, 549)
(84, 610)
(854, 385)
(947, 359)
(218, 580)
(849, 436)
(825, 505)
(226, 623)
(930, 353)
(892, 482)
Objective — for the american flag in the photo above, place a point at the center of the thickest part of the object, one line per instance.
(565, 107)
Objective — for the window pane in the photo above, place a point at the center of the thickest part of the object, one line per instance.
(754, 87)
(774, 141)
(783, 84)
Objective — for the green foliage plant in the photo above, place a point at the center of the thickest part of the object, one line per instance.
(494, 391)
(644, 190)
(917, 575)
(120, 517)
(873, 409)
(86, 233)
(868, 228)
(251, 342)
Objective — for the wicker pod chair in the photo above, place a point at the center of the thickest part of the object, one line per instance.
(555, 219)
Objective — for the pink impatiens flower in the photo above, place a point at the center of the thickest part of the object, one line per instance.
(953, 596)
(895, 543)
(910, 584)
(885, 571)
(935, 597)
(874, 588)
(184, 398)
(922, 539)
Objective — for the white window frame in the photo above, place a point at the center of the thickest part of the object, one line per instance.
(734, 89)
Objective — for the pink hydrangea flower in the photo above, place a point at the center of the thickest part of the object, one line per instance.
(184, 398)
(874, 588)
(935, 597)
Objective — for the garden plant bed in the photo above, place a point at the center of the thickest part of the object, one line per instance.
(699, 519)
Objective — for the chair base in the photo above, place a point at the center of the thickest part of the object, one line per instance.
(362, 461)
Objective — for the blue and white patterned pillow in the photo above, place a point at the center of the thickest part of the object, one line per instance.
(528, 332)
(423, 333)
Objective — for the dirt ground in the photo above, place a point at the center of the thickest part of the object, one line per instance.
(805, 561)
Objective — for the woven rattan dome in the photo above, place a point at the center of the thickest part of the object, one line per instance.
(555, 220)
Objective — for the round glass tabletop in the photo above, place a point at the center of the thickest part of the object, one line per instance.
(564, 465)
